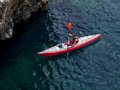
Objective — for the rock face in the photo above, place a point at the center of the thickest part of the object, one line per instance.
(14, 11)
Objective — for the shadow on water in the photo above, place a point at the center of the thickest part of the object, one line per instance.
(12, 47)
(6, 54)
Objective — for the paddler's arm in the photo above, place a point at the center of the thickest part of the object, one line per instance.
(70, 34)
(73, 44)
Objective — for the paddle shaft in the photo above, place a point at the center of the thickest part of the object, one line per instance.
(68, 48)
(69, 27)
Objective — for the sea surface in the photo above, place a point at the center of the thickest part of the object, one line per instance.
(94, 67)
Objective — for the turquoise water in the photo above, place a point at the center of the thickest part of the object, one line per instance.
(95, 67)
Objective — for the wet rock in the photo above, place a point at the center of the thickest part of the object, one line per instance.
(14, 11)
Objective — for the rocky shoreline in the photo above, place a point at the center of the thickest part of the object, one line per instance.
(15, 11)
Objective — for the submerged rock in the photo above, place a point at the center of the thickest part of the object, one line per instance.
(14, 11)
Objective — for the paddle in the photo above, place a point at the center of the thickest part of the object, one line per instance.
(69, 27)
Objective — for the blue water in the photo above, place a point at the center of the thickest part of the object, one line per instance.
(95, 67)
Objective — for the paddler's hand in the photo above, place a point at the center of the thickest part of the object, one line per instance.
(69, 46)
(69, 34)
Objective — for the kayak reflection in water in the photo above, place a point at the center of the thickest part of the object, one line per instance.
(74, 41)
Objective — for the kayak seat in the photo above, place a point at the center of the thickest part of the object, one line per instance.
(70, 42)
(60, 46)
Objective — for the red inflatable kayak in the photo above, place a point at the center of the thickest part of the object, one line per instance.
(62, 47)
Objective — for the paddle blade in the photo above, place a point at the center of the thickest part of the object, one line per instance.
(69, 25)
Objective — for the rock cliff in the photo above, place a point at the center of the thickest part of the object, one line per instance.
(14, 11)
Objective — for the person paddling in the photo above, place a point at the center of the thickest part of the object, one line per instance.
(74, 40)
